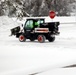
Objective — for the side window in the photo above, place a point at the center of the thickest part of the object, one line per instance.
(29, 24)
(40, 21)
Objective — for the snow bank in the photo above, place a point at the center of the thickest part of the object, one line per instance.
(4, 20)
(7, 23)
(63, 19)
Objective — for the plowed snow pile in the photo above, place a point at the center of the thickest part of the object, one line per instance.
(7, 23)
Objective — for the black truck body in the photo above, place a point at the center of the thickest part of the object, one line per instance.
(40, 32)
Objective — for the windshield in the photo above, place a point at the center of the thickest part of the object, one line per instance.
(29, 24)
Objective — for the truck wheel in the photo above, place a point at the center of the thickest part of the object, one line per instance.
(22, 38)
(51, 38)
(41, 38)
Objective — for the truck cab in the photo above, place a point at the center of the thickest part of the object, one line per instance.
(33, 23)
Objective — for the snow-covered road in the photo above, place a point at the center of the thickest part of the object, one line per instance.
(23, 58)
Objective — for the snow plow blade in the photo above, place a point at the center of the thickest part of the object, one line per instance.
(15, 30)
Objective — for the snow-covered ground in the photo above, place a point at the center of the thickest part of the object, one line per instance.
(60, 71)
(24, 58)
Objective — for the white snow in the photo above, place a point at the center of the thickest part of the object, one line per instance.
(60, 71)
(24, 58)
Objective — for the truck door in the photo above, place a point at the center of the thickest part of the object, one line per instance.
(28, 25)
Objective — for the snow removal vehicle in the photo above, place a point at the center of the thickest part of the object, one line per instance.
(36, 29)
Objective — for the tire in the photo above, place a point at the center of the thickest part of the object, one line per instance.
(22, 38)
(51, 38)
(41, 38)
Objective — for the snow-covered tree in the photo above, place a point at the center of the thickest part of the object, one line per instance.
(34, 7)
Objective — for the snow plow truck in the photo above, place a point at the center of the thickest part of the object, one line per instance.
(36, 29)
